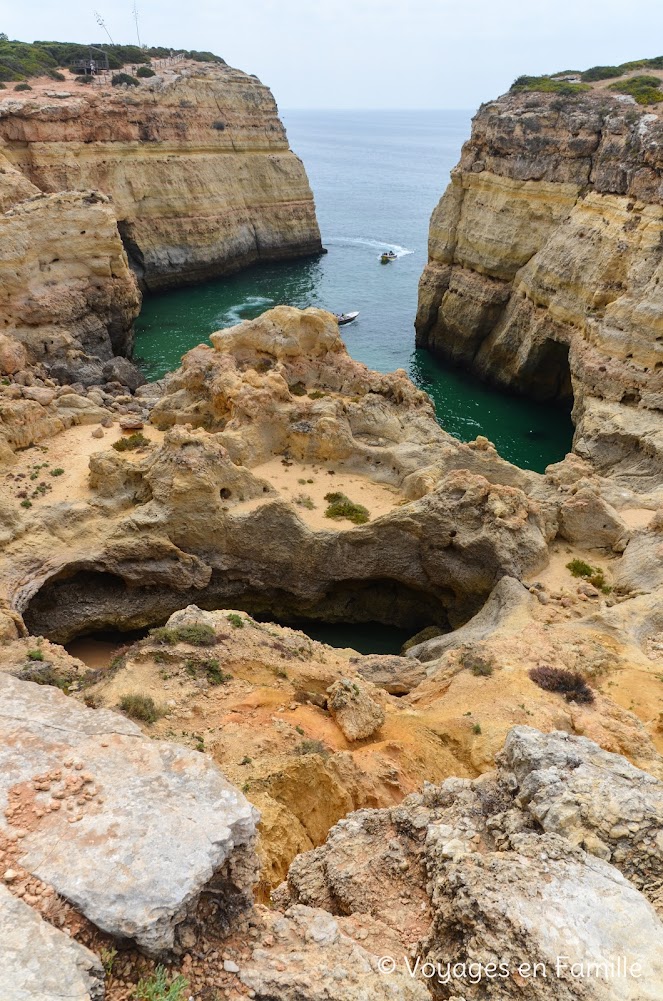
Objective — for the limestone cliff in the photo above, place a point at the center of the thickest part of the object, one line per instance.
(545, 260)
(195, 159)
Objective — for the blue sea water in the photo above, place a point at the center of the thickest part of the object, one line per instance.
(376, 177)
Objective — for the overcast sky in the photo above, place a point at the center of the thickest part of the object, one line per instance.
(368, 53)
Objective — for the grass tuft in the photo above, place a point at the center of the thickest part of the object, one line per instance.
(341, 506)
(140, 707)
(136, 440)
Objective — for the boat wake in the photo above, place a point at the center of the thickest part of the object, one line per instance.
(373, 244)
(245, 310)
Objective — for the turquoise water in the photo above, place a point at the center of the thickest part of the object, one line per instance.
(376, 177)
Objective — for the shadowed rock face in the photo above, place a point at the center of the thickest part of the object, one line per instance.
(545, 259)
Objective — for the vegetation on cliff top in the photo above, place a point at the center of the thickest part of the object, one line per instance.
(20, 60)
(645, 89)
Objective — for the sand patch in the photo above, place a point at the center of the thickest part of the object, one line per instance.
(306, 484)
(36, 467)
(637, 517)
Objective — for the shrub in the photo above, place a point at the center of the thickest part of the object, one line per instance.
(601, 73)
(219, 126)
(135, 440)
(141, 707)
(83, 79)
(570, 684)
(144, 72)
(58, 471)
(297, 389)
(316, 394)
(235, 620)
(26, 503)
(476, 728)
(124, 78)
(645, 89)
(159, 987)
(22, 86)
(196, 634)
(593, 575)
(547, 85)
(303, 500)
(481, 666)
(579, 568)
(35, 655)
(341, 506)
(56, 75)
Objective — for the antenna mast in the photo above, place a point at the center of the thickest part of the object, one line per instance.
(135, 13)
(102, 24)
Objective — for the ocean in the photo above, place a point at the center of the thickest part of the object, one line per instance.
(376, 177)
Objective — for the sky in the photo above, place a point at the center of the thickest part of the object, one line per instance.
(367, 53)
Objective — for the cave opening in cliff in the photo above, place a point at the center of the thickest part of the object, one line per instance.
(546, 374)
(95, 612)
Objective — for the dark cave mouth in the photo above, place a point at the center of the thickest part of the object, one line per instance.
(94, 613)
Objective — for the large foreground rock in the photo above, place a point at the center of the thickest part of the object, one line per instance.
(549, 904)
(463, 874)
(40, 963)
(593, 798)
(128, 829)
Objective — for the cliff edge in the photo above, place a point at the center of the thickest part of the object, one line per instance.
(545, 260)
(108, 190)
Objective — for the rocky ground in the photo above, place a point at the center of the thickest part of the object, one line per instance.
(212, 523)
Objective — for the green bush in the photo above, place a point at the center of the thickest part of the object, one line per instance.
(645, 89)
(341, 506)
(56, 75)
(144, 72)
(58, 471)
(236, 621)
(35, 655)
(601, 73)
(124, 78)
(22, 86)
(547, 85)
(84, 79)
(195, 635)
(140, 707)
(136, 440)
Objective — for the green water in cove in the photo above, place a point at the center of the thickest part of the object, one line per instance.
(376, 177)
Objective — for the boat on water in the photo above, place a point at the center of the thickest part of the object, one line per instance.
(386, 256)
(345, 317)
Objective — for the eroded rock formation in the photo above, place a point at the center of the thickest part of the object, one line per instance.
(544, 266)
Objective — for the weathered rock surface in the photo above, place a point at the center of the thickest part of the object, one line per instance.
(594, 799)
(354, 710)
(128, 829)
(40, 963)
(196, 161)
(68, 296)
(171, 521)
(463, 874)
(311, 959)
(545, 258)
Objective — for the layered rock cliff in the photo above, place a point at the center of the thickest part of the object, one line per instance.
(195, 159)
(184, 177)
(545, 260)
